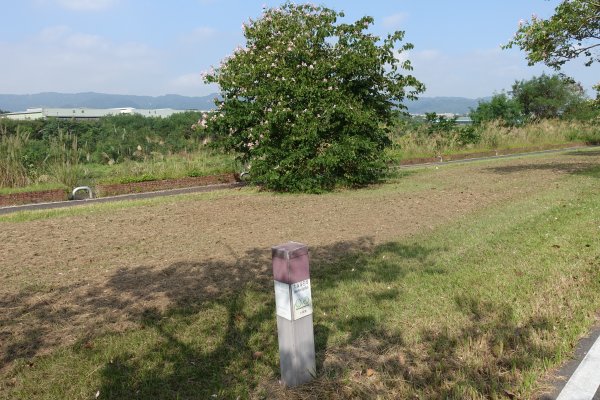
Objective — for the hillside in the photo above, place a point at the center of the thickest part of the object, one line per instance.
(13, 102)
(455, 105)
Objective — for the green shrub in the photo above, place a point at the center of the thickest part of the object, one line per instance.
(308, 103)
(499, 108)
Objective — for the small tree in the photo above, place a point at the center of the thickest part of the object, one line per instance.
(547, 96)
(573, 31)
(500, 107)
(308, 102)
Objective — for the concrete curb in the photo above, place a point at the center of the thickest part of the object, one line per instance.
(566, 371)
(122, 197)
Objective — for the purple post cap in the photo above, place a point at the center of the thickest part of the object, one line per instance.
(290, 262)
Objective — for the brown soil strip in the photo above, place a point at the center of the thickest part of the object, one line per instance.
(104, 190)
(45, 196)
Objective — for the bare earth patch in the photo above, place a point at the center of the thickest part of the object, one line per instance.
(68, 279)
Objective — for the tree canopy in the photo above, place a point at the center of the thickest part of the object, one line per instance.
(308, 102)
(547, 96)
(544, 96)
(500, 107)
(573, 31)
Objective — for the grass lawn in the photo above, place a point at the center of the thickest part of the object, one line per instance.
(462, 281)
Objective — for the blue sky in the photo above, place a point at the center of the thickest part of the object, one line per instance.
(152, 47)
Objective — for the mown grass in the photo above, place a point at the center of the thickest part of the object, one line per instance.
(479, 308)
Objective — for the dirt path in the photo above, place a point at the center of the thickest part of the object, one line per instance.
(70, 278)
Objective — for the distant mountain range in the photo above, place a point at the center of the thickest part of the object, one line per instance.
(21, 102)
(18, 102)
(454, 105)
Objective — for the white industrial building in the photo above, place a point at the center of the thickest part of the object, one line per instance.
(86, 113)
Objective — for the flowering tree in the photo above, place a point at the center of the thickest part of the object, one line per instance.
(573, 31)
(307, 103)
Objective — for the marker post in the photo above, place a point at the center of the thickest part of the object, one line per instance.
(293, 302)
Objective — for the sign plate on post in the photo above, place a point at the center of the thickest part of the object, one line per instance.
(301, 299)
(283, 303)
(293, 301)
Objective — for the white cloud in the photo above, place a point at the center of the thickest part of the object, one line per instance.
(85, 41)
(86, 5)
(428, 55)
(199, 34)
(188, 80)
(477, 73)
(395, 20)
(59, 59)
(53, 33)
(191, 84)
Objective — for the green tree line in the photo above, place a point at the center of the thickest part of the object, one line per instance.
(541, 97)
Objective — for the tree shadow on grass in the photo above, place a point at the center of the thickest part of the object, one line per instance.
(216, 333)
(158, 356)
(484, 359)
(237, 365)
(591, 153)
(574, 168)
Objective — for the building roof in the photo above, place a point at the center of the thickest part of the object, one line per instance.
(83, 113)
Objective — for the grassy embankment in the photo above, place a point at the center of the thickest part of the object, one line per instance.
(200, 163)
(419, 142)
(478, 307)
(64, 166)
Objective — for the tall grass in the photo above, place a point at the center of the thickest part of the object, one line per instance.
(13, 171)
(63, 159)
(417, 140)
(157, 166)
